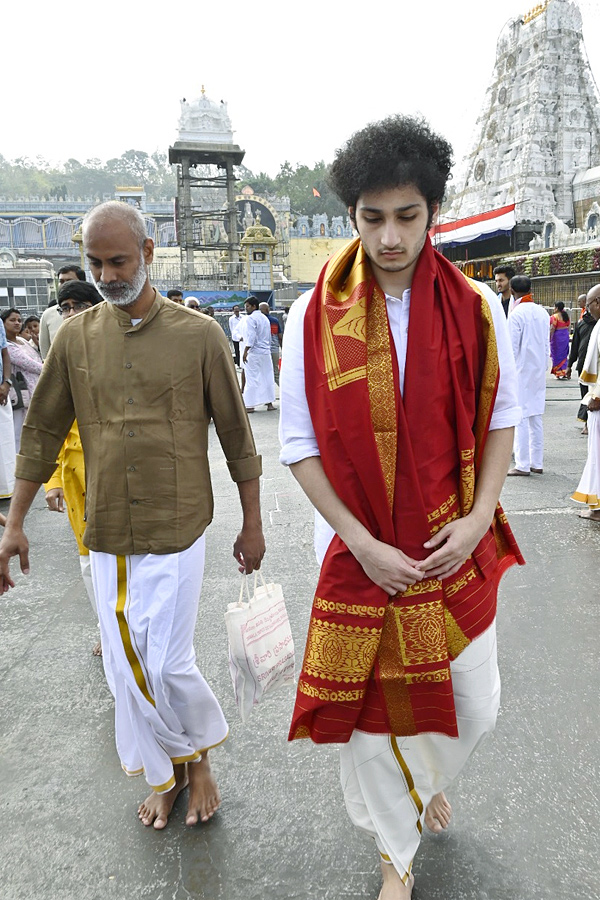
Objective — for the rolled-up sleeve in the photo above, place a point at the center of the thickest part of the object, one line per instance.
(296, 432)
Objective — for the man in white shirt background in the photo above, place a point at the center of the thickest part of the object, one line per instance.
(259, 384)
(236, 328)
(529, 327)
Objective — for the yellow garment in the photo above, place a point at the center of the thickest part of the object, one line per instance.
(70, 476)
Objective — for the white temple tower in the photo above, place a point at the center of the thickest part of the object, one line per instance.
(539, 125)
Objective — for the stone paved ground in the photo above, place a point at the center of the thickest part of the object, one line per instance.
(525, 821)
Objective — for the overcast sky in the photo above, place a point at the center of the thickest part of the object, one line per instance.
(93, 80)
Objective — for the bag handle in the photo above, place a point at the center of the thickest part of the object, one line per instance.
(244, 583)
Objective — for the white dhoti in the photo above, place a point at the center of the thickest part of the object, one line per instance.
(529, 443)
(7, 452)
(588, 489)
(165, 713)
(18, 419)
(260, 384)
(86, 574)
(389, 781)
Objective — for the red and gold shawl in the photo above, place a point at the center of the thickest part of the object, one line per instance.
(405, 465)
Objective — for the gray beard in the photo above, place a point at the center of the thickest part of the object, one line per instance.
(124, 293)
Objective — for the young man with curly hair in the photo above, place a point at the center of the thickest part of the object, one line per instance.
(397, 411)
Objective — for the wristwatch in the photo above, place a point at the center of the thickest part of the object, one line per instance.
(6, 381)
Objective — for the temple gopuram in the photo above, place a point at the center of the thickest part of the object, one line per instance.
(528, 191)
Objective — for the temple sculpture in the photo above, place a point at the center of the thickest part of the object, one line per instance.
(538, 132)
(205, 120)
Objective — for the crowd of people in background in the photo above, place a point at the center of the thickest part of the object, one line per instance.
(25, 342)
(535, 336)
(115, 389)
(256, 336)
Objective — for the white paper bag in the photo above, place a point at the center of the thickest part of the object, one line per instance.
(261, 647)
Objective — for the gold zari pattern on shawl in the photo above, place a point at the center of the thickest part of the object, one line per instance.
(329, 696)
(421, 633)
(348, 609)
(457, 639)
(417, 640)
(380, 375)
(350, 324)
(490, 370)
(340, 652)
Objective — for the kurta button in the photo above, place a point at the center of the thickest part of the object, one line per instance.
(131, 433)
(130, 400)
(132, 468)
(127, 365)
(134, 502)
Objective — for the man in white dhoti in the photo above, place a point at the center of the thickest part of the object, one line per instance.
(400, 664)
(588, 489)
(259, 385)
(7, 430)
(529, 327)
(143, 376)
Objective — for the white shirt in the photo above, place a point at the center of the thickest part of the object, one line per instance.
(296, 432)
(236, 327)
(529, 327)
(258, 333)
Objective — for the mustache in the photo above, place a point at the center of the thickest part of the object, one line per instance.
(113, 286)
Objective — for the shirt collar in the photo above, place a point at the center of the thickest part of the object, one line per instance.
(124, 319)
(405, 298)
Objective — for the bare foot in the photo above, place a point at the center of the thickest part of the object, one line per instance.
(97, 649)
(593, 514)
(438, 813)
(205, 798)
(156, 808)
(393, 886)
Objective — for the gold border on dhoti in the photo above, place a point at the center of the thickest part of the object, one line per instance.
(122, 596)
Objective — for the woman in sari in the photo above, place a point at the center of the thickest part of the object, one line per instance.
(23, 359)
(559, 340)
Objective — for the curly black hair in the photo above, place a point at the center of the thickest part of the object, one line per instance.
(397, 151)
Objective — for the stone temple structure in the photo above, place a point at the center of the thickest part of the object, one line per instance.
(538, 133)
(205, 156)
(205, 120)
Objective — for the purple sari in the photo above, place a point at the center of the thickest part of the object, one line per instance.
(559, 346)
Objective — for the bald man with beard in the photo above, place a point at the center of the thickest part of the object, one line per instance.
(143, 376)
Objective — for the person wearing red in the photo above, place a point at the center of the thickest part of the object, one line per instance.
(560, 326)
(398, 404)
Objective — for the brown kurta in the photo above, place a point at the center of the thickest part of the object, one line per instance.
(143, 396)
